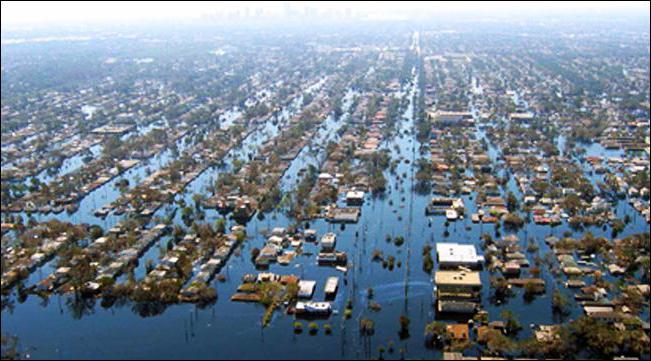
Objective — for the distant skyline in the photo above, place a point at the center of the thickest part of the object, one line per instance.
(38, 14)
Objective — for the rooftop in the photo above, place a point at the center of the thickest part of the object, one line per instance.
(458, 253)
(457, 278)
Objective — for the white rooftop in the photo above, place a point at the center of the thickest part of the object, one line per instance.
(278, 231)
(355, 195)
(329, 239)
(306, 288)
(458, 253)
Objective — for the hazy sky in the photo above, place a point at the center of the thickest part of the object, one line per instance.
(72, 12)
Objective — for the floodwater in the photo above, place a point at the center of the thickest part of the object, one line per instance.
(233, 330)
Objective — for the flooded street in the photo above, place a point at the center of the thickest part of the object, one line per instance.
(402, 187)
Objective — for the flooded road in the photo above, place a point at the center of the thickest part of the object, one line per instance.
(230, 330)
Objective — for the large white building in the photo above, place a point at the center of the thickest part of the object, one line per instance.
(452, 255)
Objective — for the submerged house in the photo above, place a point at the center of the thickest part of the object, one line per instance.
(306, 288)
(313, 308)
(328, 242)
(441, 205)
(268, 254)
(331, 286)
(355, 198)
(343, 215)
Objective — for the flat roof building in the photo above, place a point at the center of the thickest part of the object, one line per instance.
(450, 117)
(457, 291)
(452, 255)
(306, 288)
(355, 197)
(332, 283)
(328, 241)
(457, 279)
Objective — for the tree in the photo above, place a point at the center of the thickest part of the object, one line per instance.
(572, 204)
(511, 202)
(220, 225)
(435, 334)
(377, 182)
(531, 288)
(198, 199)
(404, 326)
(314, 328)
(366, 327)
(10, 348)
(240, 236)
(80, 273)
(327, 328)
(178, 233)
(255, 252)
(596, 336)
(501, 286)
(96, 232)
(512, 324)
(498, 344)
(512, 220)
(298, 327)
(186, 213)
(428, 262)
(617, 227)
(369, 293)
(560, 303)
